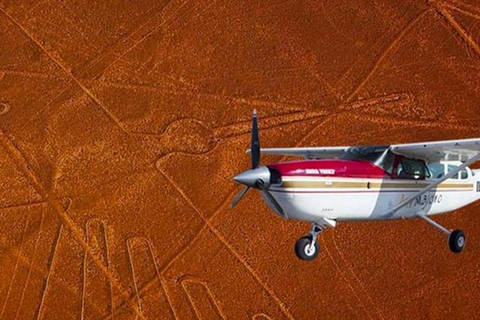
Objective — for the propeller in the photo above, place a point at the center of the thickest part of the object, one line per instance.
(257, 177)
(272, 200)
(239, 196)
(255, 156)
(255, 142)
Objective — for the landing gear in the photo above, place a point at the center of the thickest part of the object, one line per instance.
(456, 241)
(307, 248)
(456, 238)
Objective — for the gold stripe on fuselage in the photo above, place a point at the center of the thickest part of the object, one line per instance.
(331, 184)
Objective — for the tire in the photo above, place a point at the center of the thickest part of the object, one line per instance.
(456, 241)
(303, 249)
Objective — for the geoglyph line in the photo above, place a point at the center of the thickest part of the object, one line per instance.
(42, 218)
(47, 279)
(103, 232)
(196, 307)
(19, 159)
(15, 268)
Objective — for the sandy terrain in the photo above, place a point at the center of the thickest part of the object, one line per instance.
(122, 124)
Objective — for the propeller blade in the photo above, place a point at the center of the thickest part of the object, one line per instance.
(268, 195)
(239, 196)
(255, 143)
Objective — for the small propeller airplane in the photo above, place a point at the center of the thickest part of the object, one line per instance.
(357, 183)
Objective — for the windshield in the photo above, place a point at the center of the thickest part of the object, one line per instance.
(370, 154)
(379, 155)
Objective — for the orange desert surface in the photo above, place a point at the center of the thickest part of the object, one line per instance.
(122, 124)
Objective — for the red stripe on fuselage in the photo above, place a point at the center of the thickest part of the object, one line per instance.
(330, 168)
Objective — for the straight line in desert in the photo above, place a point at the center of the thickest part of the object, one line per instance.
(138, 290)
(465, 12)
(210, 297)
(157, 271)
(63, 95)
(26, 263)
(309, 62)
(183, 91)
(450, 125)
(348, 283)
(22, 164)
(30, 267)
(244, 127)
(132, 270)
(89, 232)
(23, 205)
(345, 262)
(151, 25)
(16, 266)
(60, 64)
(109, 265)
(458, 28)
(125, 45)
(385, 53)
(463, 7)
(50, 269)
(31, 74)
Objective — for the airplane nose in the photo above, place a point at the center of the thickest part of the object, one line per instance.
(251, 177)
(248, 178)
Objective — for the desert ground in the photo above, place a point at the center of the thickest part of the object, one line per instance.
(122, 124)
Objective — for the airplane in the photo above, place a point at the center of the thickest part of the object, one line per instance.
(365, 183)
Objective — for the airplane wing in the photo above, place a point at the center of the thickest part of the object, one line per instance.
(458, 150)
(307, 153)
(454, 150)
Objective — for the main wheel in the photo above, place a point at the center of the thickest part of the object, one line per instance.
(456, 241)
(305, 250)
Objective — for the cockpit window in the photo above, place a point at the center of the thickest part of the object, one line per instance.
(412, 169)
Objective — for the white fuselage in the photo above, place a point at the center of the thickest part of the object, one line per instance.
(348, 199)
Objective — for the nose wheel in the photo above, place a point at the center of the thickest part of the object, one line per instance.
(307, 247)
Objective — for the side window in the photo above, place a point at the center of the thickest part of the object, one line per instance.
(450, 168)
(464, 174)
(437, 170)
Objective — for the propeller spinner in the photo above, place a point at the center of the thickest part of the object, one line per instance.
(257, 177)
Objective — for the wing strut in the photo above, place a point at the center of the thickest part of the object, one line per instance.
(434, 184)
